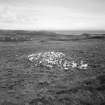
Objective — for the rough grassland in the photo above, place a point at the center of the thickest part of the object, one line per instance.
(23, 84)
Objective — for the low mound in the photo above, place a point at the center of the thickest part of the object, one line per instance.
(53, 59)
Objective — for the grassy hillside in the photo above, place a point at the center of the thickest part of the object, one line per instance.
(21, 83)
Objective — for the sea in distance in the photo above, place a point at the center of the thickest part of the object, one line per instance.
(79, 32)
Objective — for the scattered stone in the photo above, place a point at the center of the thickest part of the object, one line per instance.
(51, 59)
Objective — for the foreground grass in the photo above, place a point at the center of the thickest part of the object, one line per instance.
(23, 84)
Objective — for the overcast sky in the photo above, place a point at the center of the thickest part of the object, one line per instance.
(52, 14)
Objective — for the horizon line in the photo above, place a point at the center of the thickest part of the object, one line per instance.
(53, 29)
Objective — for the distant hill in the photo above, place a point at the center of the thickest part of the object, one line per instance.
(22, 35)
(23, 32)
